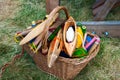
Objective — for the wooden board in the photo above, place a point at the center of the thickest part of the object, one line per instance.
(117, 4)
(99, 7)
(98, 3)
(105, 10)
(112, 27)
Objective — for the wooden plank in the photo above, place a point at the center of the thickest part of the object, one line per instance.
(98, 8)
(105, 10)
(117, 4)
(100, 30)
(112, 27)
(98, 3)
(50, 5)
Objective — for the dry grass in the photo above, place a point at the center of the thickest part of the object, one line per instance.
(8, 8)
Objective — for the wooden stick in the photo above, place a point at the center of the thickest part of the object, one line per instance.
(38, 47)
(54, 49)
(25, 32)
(44, 44)
(39, 38)
(38, 41)
(57, 23)
(39, 28)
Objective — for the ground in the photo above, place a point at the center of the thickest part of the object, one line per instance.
(105, 66)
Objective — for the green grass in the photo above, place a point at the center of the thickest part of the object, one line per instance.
(30, 10)
(105, 66)
(79, 9)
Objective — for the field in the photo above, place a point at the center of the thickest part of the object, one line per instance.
(16, 15)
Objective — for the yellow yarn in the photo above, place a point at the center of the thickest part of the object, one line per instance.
(79, 37)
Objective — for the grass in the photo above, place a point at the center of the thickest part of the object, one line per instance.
(81, 10)
(105, 66)
(30, 10)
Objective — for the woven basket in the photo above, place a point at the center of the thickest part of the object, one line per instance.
(64, 68)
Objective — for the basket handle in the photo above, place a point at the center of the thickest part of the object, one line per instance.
(57, 9)
(50, 19)
(44, 25)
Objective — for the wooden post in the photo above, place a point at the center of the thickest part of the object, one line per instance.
(105, 9)
(51, 4)
(100, 5)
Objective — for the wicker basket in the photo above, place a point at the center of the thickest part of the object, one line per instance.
(64, 68)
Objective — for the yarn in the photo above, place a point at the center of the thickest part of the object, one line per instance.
(79, 37)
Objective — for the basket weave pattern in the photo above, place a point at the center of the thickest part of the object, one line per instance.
(64, 68)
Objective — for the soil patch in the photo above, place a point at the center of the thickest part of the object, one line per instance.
(8, 8)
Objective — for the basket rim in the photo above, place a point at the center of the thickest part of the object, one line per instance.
(77, 61)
